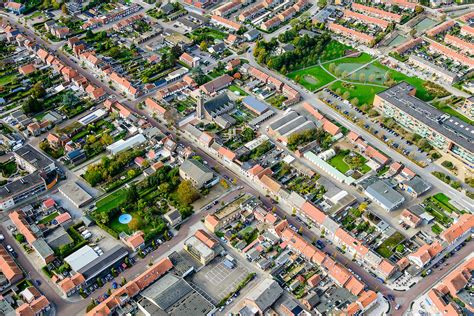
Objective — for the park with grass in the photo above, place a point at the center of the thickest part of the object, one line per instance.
(358, 76)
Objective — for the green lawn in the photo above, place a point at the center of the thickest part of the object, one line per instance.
(234, 88)
(216, 34)
(111, 201)
(8, 168)
(363, 92)
(387, 247)
(312, 78)
(6, 79)
(48, 218)
(444, 203)
(339, 163)
(333, 50)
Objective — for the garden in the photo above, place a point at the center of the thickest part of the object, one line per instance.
(387, 247)
(141, 205)
(345, 160)
(439, 207)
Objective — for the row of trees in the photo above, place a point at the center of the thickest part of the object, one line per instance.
(107, 168)
(304, 137)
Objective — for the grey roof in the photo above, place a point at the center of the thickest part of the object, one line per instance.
(296, 200)
(416, 209)
(27, 182)
(312, 298)
(218, 47)
(255, 104)
(282, 121)
(59, 237)
(451, 127)
(253, 33)
(384, 194)
(188, 23)
(42, 247)
(175, 296)
(33, 157)
(435, 67)
(75, 193)
(224, 120)
(167, 291)
(173, 215)
(194, 168)
(6, 309)
(105, 261)
(418, 185)
(265, 294)
(214, 104)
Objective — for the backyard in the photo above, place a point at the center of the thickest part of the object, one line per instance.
(346, 160)
(141, 205)
(387, 247)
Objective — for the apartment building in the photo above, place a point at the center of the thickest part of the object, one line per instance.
(444, 132)
(228, 24)
(251, 12)
(443, 27)
(42, 176)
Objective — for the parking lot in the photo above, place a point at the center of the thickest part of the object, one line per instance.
(217, 280)
(388, 135)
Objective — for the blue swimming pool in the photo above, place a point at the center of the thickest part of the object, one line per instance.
(125, 218)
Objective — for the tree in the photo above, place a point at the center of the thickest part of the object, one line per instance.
(37, 90)
(203, 46)
(187, 193)
(131, 173)
(104, 217)
(362, 77)
(346, 95)
(123, 282)
(135, 224)
(362, 207)
(70, 99)
(64, 9)
(91, 306)
(400, 248)
(355, 101)
(132, 193)
(20, 238)
(106, 139)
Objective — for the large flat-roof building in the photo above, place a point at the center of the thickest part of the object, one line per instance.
(384, 195)
(443, 131)
(74, 193)
(196, 172)
(42, 176)
(172, 295)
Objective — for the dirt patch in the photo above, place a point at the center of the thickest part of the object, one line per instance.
(310, 79)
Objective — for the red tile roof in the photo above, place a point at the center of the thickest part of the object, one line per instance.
(22, 225)
(205, 238)
(441, 28)
(376, 12)
(365, 38)
(348, 14)
(464, 224)
(451, 54)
